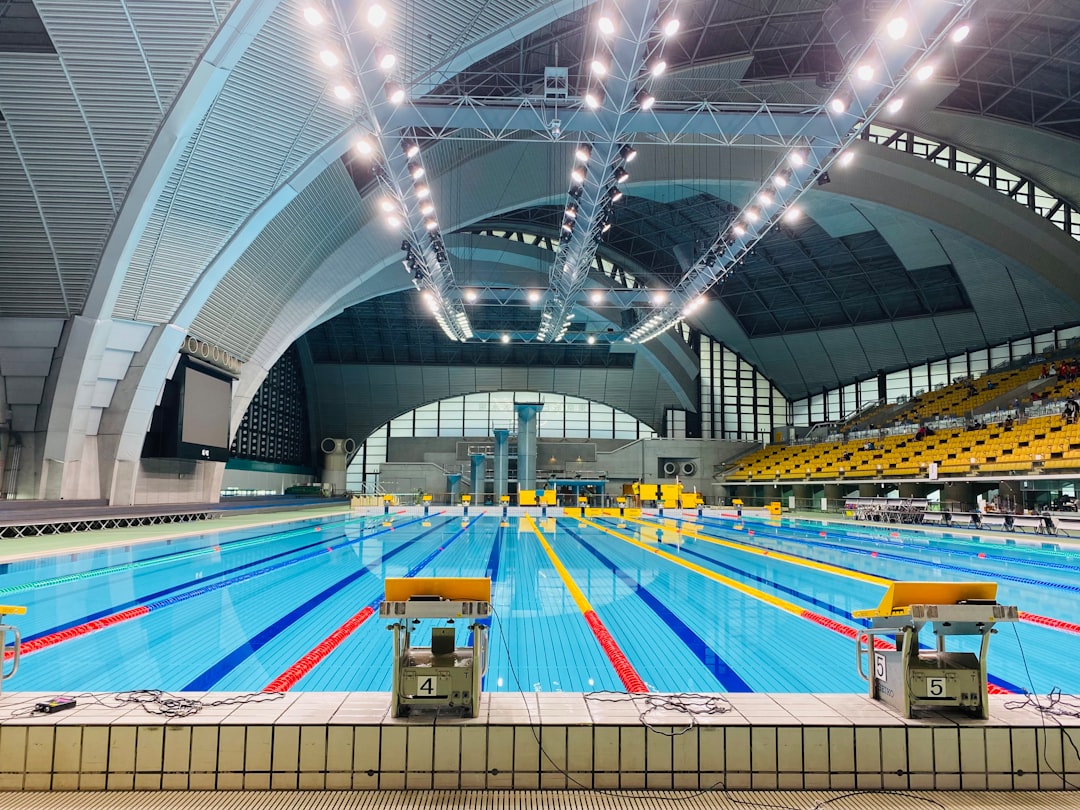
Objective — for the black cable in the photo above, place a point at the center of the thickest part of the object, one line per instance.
(1056, 706)
(153, 701)
(714, 704)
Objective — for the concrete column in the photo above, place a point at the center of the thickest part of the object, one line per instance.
(335, 462)
(526, 413)
(453, 487)
(479, 467)
(502, 463)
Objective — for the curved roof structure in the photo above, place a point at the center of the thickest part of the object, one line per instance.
(190, 169)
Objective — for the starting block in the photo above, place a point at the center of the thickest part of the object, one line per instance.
(910, 679)
(442, 675)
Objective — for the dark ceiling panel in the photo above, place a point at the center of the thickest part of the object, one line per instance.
(21, 29)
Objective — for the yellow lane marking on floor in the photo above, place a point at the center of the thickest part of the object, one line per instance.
(754, 593)
(568, 581)
(776, 555)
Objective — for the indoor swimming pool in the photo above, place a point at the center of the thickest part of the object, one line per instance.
(710, 604)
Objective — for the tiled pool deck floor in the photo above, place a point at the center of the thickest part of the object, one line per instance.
(342, 741)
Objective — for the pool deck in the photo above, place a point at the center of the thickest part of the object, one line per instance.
(557, 741)
(548, 741)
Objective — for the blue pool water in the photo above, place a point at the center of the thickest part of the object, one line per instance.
(232, 611)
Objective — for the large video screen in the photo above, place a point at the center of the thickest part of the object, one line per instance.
(206, 405)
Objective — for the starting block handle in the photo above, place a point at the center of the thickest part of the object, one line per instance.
(4, 628)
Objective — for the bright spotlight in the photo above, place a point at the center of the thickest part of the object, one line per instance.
(658, 67)
(960, 33)
(313, 16)
(865, 72)
(376, 15)
(924, 73)
(606, 26)
(895, 105)
(598, 68)
(897, 27)
(329, 57)
(838, 105)
(671, 27)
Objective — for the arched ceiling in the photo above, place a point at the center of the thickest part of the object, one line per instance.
(183, 167)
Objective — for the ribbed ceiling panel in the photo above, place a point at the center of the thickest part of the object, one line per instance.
(48, 132)
(250, 297)
(111, 74)
(172, 36)
(263, 124)
(30, 285)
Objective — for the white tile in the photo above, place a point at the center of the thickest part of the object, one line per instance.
(37, 781)
(148, 781)
(13, 750)
(842, 750)
(392, 751)
(580, 755)
(946, 751)
(258, 749)
(711, 747)
(736, 749)
(65, 781)
(972, 750)
(419, 741)
(658, 750)
(230, 741)
(312, 748)
(789, 750)
(632, 749)
(894, 752)
(684, 752)
(120, 781)
(67, 749)
(339, 748)
(1048, 745)
(39, 749)
(868, 750)
(920, 750)
(606, 748)
(366, 750)
(447, 750)
(815, 749)
(204, 781)
(173, 781)
(500, 749)
(177, 754)
(149, 749)
(335, 781)
(121, 750)
(256, 781)
(285, 750)
(280, 780)
(554, 758)
(92, 781)
(526, 751)
(204, 750)
(228, 781)
(763, 751)
(474, 749)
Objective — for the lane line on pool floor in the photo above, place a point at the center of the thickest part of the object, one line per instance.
(623, 668)
(706, 654)
(206, 680)
(154, 602)
(307, 662)
(996, 686)
(1044, 621)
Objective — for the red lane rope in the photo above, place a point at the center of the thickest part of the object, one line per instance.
(843, 629)
(288, 679)
(623, 668)
(28, 647)
(994, 689)
(1046, 621)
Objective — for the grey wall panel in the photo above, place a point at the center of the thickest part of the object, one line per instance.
(845, 352)
(354, 400)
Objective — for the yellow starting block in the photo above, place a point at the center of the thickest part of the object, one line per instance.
(442, 675)
(910, 679)
(10, 610)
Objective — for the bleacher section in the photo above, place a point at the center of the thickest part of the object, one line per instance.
(962, 397)
(1043, 443)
